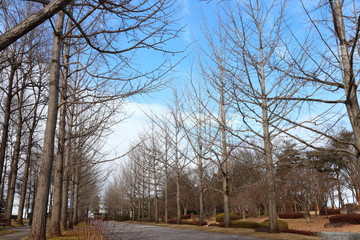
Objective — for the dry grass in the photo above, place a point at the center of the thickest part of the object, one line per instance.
(5, 230)
(317, 225)
(80, 232)
(8, 229)
(238, 231)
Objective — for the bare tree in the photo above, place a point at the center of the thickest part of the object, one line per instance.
(216, 79)
(253, 35)
(38, 228)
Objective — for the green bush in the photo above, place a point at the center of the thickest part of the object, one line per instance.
(191, 222)
(120, 218)
(244, 224)
(282, 224)
(233, 216)
(249, 224)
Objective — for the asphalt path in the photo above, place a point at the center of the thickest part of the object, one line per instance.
(126, 231)
(17, 233)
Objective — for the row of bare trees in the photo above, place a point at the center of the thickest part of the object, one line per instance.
(261, 81)
(70, 76)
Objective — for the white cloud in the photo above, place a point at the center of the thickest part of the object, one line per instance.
(127, 132)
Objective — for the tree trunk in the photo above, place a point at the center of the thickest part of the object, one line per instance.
(25, 177)
(65, 189)
(201, 206)
(5, 127)
(38, 228)
(224, 157)
(75, 218)
(72, 199)
(55, 227)
(31, 22)
(178, 206)
(156, 203)
(348, 76)
(15, 158)
(166, 196)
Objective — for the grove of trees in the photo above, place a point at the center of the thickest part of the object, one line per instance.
(268, 120)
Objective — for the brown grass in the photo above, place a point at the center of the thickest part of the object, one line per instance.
(317, 225)
(238, 231)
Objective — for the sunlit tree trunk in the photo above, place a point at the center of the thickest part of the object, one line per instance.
(55, 227)
(38, 227)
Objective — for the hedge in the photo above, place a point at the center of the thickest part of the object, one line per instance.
(302, 232)
(282, 224)
(172, 221)
(291, 215)
(187, 216)
(233, 216)
(330, 211)
(249, 224)
(190, 222)
(245, 224)
(348, 218)
(120, 218)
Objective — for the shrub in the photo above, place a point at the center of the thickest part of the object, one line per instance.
(282, 224)
(233, 216)
(348, 218)
(302, 232)
(191, 212)
(330, 211)
(187, 222)
(198, 223)
(120, 218)
(190, 222)
(172, 221)
(291, 215)
(244, 224)
(187, 216)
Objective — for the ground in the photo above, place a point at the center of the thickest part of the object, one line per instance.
(317, 225)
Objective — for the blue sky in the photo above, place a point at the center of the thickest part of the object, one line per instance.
(193, 14)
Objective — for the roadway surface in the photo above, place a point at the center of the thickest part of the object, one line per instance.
(17, 233)
(126, 231)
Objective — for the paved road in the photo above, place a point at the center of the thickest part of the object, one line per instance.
(19, 233)
(125, 231)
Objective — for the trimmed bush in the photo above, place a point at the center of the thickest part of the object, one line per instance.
(291, 215)
(233, 216)
(190, 222)
(187, 216)
(171, 221)
(198, 223)
(330, 211)
(347, 218)
(301, 232)
(282, 224)
(244, 224)
(120, 218)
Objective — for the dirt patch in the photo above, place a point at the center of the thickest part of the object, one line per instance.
(317, 225)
